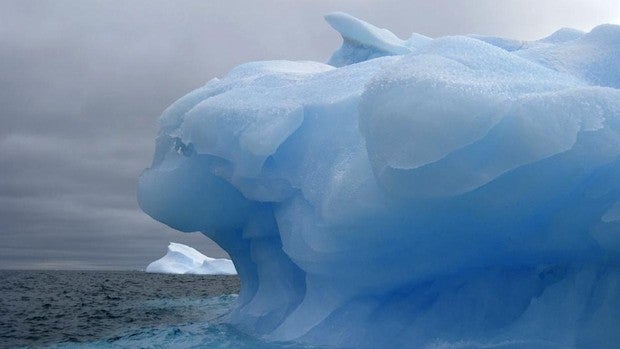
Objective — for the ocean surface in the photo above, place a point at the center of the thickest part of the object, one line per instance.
(97, 309)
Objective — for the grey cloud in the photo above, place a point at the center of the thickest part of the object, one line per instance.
(83, 82)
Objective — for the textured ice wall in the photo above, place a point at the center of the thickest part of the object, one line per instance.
(182, 259)
(456, 192)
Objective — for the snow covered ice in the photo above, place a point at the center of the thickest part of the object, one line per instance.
(182, 259)
(457, 192)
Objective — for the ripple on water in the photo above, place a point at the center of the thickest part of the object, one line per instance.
(94, 309)
(39, 308)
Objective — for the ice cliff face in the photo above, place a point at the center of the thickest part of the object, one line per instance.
(454, 192)
(182, 259)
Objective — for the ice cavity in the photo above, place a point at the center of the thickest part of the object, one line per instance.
(453, 192)
(182, 259)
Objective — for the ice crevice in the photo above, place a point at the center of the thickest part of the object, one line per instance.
(454, 192)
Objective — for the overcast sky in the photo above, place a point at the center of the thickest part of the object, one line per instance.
(82, 84)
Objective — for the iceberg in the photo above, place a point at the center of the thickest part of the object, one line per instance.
(456, 192)
(182, 259)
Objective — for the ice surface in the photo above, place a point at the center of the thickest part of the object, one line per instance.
(182, 259)
(452, 192)
(362, 41)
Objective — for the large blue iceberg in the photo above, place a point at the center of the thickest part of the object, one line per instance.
(458, 192)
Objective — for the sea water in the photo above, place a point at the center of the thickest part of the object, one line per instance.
(102, 309)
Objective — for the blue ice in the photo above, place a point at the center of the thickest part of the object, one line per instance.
(457, 192)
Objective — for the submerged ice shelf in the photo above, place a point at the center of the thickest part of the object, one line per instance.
(461, 191)
(182, 259)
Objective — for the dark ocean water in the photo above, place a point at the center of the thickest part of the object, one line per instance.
(86, 309)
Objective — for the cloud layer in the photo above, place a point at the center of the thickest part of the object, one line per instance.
(84, 82)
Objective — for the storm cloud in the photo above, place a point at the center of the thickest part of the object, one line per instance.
(83, 83)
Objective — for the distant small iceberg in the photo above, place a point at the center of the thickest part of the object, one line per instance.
(182, 259)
